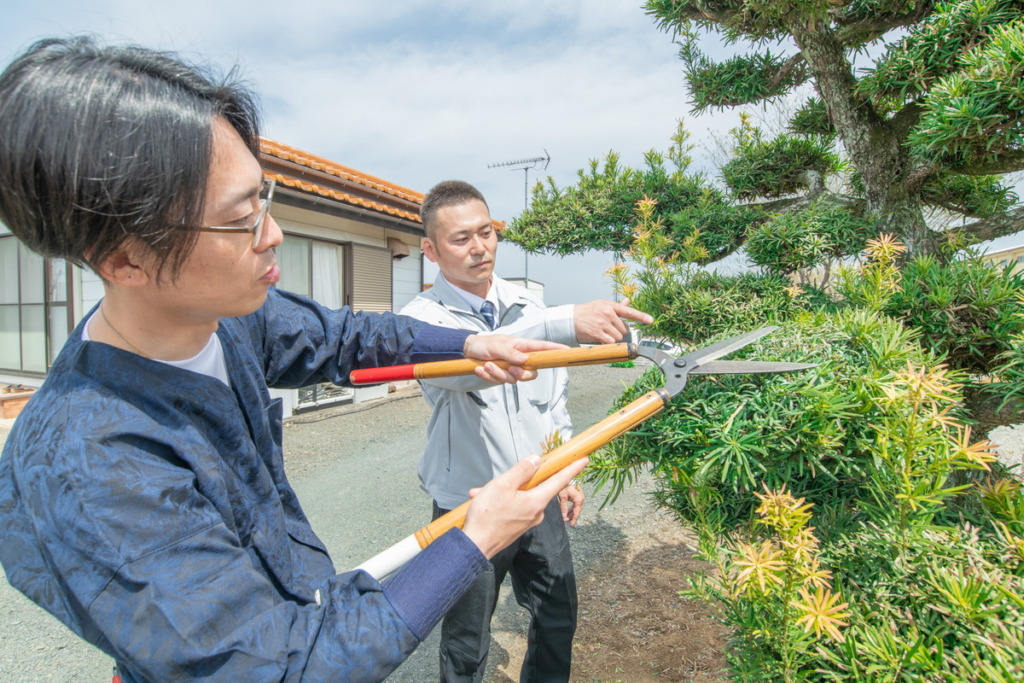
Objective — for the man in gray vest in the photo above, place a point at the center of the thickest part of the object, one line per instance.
(477, 431)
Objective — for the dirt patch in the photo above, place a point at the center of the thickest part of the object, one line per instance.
(634, 626)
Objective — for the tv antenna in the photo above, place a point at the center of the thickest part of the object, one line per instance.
(525, 165)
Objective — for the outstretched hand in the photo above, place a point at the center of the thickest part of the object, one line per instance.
(491, 347)
(499, 512)
(603, 322)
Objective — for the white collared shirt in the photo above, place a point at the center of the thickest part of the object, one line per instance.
(476, 302)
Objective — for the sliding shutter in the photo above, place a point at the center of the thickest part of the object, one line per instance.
(371, 278)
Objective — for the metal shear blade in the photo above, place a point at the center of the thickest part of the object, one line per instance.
(703, 361)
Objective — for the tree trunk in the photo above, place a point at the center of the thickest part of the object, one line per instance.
(900, 214)
(875, 150)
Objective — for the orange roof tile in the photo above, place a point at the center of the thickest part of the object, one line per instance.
(318, 189)
(283, 151)
(374, 185)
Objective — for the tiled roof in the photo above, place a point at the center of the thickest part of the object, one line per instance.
(310, 174)
(339, 182)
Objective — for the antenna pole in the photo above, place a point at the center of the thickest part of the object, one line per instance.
(525, 165)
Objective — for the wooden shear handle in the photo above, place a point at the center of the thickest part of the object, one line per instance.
(558, 358)
(580, 446)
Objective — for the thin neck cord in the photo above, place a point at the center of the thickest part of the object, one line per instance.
(120, 336)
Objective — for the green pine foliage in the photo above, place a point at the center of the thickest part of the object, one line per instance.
(857, 529)
(697, 308)
(1009, 372)
(932, 51)
(965, 309)
(730, 436)
(821, 234)
(981, 196)
(968, 311)
(812, 119)
(776, 167)
(740, 80)
(599, 211)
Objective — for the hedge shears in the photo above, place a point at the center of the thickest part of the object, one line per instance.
(677, 371)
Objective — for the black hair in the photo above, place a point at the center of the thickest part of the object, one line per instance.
(102, 144)
(446, 193)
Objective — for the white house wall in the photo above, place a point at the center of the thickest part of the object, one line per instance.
(87, 288)
(406, 279)
(405, 272)
(322, 226)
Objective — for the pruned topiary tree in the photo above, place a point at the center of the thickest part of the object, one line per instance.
(934, 122)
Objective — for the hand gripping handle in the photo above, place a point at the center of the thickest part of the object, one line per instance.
(580, 446)
(556, 358)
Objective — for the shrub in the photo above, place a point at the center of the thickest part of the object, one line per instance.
(944, 603)
(815, 237)
(966, 309)
(844, 507)
(691, 305)
(706, 304)
(1010, 371)
(774, 592)
(728, 436)
(886, 553)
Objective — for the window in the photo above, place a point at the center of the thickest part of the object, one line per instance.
(372, 272)
(316, 269)
(294, 260)
(34, 322)
(313, 268)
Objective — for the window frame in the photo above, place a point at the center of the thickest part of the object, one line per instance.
(49, 305)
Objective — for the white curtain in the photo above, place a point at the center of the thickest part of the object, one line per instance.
(293, 258)
(327, 274)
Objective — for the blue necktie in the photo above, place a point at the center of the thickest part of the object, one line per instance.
(487, 311)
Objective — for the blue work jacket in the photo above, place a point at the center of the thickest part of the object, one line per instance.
(147, 508)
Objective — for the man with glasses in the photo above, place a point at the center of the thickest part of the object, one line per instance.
(143, 499)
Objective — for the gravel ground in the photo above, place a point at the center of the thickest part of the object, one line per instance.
(1009, 444)
(355, 471)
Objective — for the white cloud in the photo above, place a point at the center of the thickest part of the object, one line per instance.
(417, 92)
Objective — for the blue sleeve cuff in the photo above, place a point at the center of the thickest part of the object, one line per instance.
(432, 582)
(433, 343)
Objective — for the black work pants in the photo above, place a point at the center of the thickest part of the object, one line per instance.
(540, 564)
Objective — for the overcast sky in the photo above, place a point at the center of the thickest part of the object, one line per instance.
(417, 92)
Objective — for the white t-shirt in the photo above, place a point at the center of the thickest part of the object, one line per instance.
(209, 361)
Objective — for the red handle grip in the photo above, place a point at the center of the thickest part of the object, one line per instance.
(394, 373)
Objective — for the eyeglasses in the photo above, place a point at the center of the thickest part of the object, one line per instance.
(254, 224)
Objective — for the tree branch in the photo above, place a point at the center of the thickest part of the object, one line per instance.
(695, 13)
(729, 249)
(916, 177)
(1005, 223)
(1006, 163)
(787, 204)
(906, 118)
(784, 71)
(866, 30)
